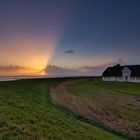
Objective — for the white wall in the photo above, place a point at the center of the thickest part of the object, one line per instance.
(134, 80)
(108, 78)
(113, 79)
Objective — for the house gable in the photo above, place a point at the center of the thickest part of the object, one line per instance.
(126, 72)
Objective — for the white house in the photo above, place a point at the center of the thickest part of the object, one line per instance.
(128, 73)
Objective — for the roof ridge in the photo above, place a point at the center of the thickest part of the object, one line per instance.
(117, 70)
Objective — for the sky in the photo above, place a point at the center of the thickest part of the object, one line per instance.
(68, 37)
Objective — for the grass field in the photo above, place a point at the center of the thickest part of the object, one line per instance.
(117, 105)
(26, 112)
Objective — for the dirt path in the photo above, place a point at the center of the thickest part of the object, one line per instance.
(72, 104)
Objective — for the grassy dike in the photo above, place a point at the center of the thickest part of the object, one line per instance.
(119, 104)
(26, 112)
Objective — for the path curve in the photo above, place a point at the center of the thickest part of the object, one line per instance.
(72, 104)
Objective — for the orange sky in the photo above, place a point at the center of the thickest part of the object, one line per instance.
(32, 54)
(67, 34)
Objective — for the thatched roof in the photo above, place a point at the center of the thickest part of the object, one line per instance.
(117, 70)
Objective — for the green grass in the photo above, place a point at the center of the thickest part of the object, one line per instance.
(26, 112)
(97, 85)
(118, 98)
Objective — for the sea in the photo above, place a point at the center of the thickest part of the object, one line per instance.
(12, 78)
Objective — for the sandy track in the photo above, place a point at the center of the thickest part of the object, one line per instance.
(72, 104)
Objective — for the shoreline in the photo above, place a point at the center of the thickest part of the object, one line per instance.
(13, 78)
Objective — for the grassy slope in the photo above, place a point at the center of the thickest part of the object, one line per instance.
(97, 85)
(118, 98)
(26, 112)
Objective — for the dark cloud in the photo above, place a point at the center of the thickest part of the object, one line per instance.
(95, 70)
(59, 71)
(69, 51)
(14, 70)
(52, 70)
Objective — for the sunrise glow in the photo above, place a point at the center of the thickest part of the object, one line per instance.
(46, 37)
